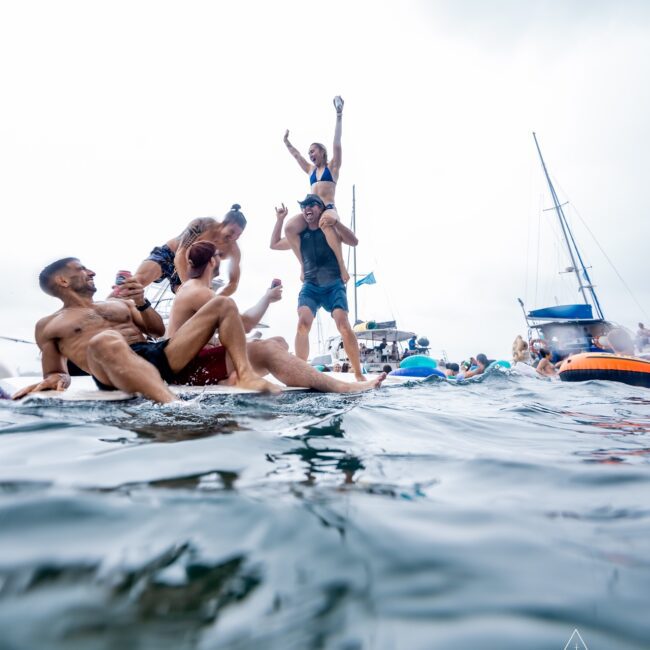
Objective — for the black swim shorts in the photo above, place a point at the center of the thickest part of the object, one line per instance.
(164, 256)
(154, 353)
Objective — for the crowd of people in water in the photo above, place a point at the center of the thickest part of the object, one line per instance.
(546, 357)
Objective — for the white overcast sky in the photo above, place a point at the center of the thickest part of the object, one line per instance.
(121, 121)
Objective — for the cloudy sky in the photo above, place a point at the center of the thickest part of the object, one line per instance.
(122, 121)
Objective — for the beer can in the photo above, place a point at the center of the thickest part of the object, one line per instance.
(122, 276)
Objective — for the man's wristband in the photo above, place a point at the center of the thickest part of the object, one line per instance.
(144, 306)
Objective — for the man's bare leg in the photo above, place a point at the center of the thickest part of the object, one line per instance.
(112, 361)
(350, 343)
(305, 320)
(219, 313)
(272, 357)
(148, 272)
(292, 230)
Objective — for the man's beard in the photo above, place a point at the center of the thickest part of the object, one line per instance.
(84, 289)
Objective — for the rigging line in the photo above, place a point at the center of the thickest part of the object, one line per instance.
(539, 225)
(13, 340)
(530, 226)
(349, 252)
(585, 272)
(620, 277)
(527, 247)
(160, 294)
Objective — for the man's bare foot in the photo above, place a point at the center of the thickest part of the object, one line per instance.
(230, 380)
(253, 382)
(362, 386)
(360, 377)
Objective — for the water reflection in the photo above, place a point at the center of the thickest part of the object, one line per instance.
(326, 460)
(618, 455)
(167, 601)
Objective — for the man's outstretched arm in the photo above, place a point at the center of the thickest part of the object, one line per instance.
(278, 242)
(55, 369)
(251, 317)
(144, 315)
(234, 270)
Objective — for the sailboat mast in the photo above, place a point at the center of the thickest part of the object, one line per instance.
(354, 252)
(568, 238)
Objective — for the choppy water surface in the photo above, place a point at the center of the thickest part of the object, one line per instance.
(500, 514)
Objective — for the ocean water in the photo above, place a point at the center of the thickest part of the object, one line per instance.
(503, 513)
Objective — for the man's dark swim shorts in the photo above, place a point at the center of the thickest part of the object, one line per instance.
(154, 353)
(329, 296)
(164, 256)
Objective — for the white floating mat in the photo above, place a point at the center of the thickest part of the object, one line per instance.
(84, 389)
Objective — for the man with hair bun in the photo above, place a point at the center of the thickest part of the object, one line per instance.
(167, 262)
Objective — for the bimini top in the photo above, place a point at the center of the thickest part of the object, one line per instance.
(563, 312)
(389, 333)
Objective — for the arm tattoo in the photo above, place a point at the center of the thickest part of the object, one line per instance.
(192, 232)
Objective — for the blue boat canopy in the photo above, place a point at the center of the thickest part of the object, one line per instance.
(563, 312)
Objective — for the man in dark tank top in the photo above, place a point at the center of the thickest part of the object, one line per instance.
(323, 285)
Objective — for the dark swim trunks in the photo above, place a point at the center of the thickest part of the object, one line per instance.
(164, 256)
(330, 296)
(154, 353)
(207, 368)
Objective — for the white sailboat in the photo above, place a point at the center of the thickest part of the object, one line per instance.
(568, 329)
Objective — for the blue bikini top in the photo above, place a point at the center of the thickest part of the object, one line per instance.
(327, 176)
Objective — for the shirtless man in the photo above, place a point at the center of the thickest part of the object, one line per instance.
(107, 339)
(267, 357)
(167, 262)
(642, 336)
(323, 176)
(545, 367)
(323, 285)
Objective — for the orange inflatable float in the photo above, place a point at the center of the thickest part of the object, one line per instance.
(599, 365)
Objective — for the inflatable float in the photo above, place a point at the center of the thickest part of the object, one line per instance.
(418, 361)
(594, 365)
(84, 389)
(417, 371)
(421, 366)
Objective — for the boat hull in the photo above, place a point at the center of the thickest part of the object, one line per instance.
(610, 367)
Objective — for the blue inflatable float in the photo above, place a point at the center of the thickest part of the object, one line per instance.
(418, 361)
(418, 371)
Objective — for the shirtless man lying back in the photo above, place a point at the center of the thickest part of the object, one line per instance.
(107, 339)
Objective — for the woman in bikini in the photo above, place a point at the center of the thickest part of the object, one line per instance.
(323, 176)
